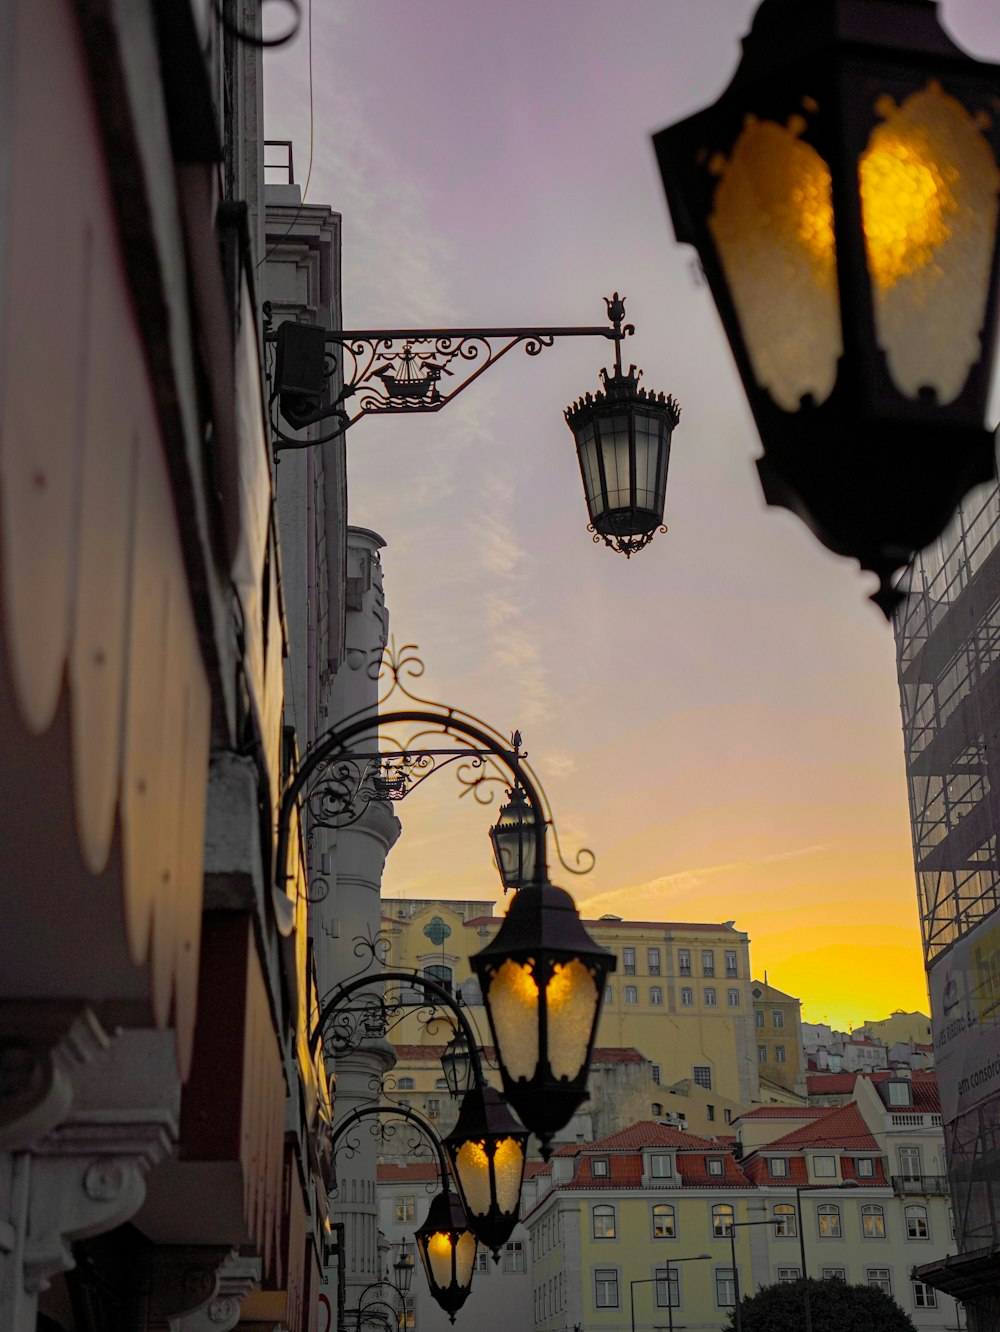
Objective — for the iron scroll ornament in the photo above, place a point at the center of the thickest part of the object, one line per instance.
(397, 371)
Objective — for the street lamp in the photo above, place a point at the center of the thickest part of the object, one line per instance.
(623, 436)
(447, 1249)
(487, 1149)
(799, 1190)
(842, 197)
(403, 1267)
(456, 1064)
(655, 1281)
(513, 838)
(732, 1227)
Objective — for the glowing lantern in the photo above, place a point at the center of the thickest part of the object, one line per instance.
(447, 1249)
(842, 196)
(542, 978)
(487, 1149)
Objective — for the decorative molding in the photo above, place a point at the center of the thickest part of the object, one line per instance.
(184, 1280)
(42, 1044)
(238, 1276)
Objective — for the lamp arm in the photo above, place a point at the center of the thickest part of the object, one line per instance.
(400, 1112)
(450, 724)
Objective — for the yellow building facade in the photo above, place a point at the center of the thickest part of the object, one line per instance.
(778, 1049)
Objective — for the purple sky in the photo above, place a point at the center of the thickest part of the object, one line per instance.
(718, 717)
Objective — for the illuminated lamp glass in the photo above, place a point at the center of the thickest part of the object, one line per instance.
(541, 978)
(842, 196)
(487, 1149)
(447, 1249)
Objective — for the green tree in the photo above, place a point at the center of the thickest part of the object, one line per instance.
(836, 1307)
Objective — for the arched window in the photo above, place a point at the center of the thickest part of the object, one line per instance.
(873, 1221)
(443, 975)
(604, 1223)
(784, 1216)
(916, 1223)
(664, 1221)
(828, 1217)
(404, 1084)
(722, 1216)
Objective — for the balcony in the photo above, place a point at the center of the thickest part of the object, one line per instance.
(911, 1119)
(927, 1186)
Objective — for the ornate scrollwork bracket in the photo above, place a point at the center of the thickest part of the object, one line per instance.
(396, 371)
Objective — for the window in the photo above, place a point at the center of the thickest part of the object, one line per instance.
(609, 994)
(714, 1163)
(924, 1297)
(777, 1167)
(631, 994)
(879, 1276)
(733, 998)
(664, 1221)
(409, 1315)
(909, 1162)
(657, 1109)
(777, 1019)
(702, 1075)
(872, 1221)
(684, 961)
(654, 1070)
(599, 1167)
(513, 1256)
(667, 1287)
(825, 1167)
(864, 1167)
(653, 961)
(916, 1223)
(758, 1018)
(404, 1206)
(606, 1288)
(834, 1273)
(707, 962)
(828, 1219)
(779, 1054)
(443, 975)
(899, 1092)
(687, 996)
(761, 1054)
(710, 996)
(405, 1084)
(722, 1216)
(661, 1166)
(725, 1288)
(784, 1216)
(786, 1275)
(433, 1107)
(628, 961)
(604, 1223)
(655, 995)
(727, 1115)
(440, 1084)
(710, 1112)
(731, 968)
(482, 1260)
(951, 1222)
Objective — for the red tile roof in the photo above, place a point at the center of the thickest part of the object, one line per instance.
(649, 1133)
(784, 1112)
(418, 1172)
(840, 1126)
(923, 1082)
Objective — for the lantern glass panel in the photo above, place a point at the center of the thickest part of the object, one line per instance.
(472, 1165)
(647, 454)
(772, 223)
(587, 445)
(508, 1167)
(513, 1006)
(928, 184)
(465, 1257)
(614, 447)
(439, 1251)
(571, 1003)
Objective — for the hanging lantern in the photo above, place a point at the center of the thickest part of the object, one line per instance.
(487, 1150)
(513, 838)
(542, 978)
(403, 1268)
(447, 1249)
(623, 439)
(456, 1063)
(842, 197)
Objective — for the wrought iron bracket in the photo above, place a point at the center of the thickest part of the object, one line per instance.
(402, 370)
(406, 1112)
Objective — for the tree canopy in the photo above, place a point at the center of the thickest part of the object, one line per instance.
(836, 1307)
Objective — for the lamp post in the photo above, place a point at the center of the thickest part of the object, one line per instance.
(732, 1227)
(653, 1281)
(799, 1190)
(842, 197)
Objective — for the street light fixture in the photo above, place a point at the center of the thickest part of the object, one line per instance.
(403, 1268)
(456, 1064)
(655, 1281)
(513, 841)
(842, 197)
(487, 1149)
(447, 1249)
(799, 1190)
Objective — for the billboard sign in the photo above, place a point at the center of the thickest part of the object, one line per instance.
(965, 1003)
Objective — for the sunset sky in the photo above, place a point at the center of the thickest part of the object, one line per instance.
(718, 717)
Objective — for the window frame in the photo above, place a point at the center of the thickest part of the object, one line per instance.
(710, 997)
(628, 960)
(727, 1276)
(864, 1167)
(733, 997)
(687, 996)
(873, 1213)
(705, 1080)
(924, 1296)
(828, 1214)
(910, 1215)
(833, 1274)
(732, 962)
(777, 1019)
(609, 1277)
(657, 1160)
(878, 1281)
(777, 1167)
(669, 1279)
(600, 1167)
(786, 1276)
(821, 1174)
(630, 996)
(786, 1221)
(653, 961)
(708, 962)
(723, 1215)
(404, 1207)
(684, 961)
(715, 1166)
(663, 1211)
(603, 1210)
(656, 996)
(513, 1250)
